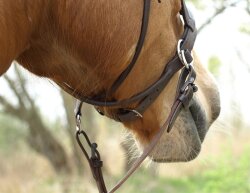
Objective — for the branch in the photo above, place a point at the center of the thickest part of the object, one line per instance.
(23, 86)
(248, 6)
(4, 102)
(217, 12)
(243, 60)
(14, 89)
(11, 109)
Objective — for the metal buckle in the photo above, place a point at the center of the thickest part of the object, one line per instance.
(181, 54)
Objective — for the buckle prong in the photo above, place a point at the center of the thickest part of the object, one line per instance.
(135, 112)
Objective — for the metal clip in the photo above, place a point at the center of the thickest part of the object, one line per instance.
(78, 122)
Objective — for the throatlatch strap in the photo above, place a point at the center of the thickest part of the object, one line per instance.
(144, 28)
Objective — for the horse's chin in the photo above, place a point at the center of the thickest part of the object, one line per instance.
(183, 143)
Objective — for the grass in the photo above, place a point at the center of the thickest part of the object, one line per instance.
(229, 175)
(23, 171)
(32, 174)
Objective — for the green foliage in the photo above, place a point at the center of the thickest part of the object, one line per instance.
(229, 175)
(245, 29)
(214, 65)
(198, 4)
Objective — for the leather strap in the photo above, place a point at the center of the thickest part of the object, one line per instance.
(184, 94)
(148, 96)
(99, 100)
(186, 88)
(94, 160)
(144, 28)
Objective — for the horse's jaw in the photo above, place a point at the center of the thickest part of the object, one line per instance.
(184, 141)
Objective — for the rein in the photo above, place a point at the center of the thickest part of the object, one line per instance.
(185, 89)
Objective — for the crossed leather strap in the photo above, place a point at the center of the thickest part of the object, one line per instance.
(185, 89)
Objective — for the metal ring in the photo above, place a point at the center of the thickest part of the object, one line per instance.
(181, 54)
(184, 60)
(179, 47)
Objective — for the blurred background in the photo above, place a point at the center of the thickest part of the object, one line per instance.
(38, 152)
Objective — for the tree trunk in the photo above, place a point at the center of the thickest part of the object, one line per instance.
(40, 138)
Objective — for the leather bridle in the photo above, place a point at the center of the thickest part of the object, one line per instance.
(185, 89)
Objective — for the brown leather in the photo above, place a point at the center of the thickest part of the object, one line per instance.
(186, 88)
(144, 28)
(184, 94)
(100, 100)
(94, 160)
(149, 95)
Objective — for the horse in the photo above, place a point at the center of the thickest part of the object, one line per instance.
(87, 44)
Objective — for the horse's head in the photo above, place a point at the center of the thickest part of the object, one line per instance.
(87, 44)
(183, 143)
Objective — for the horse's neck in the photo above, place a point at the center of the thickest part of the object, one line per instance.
(18, 19)
(101, 37)
(87, 44)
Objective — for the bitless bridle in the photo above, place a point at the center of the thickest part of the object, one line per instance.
(185, 89)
